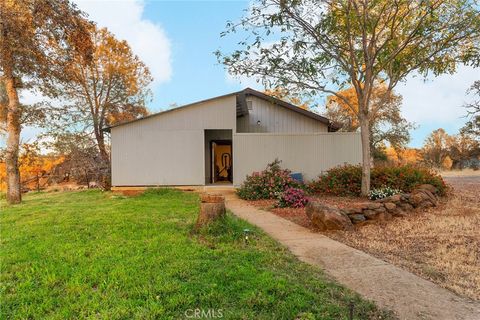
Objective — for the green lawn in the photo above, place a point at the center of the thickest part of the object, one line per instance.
(96, 255)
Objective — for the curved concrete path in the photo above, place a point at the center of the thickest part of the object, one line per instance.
(408, 295)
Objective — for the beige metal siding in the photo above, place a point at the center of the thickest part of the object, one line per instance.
(214, 114)
(274, 118)
(168, 149)
(169, 158)
(309, 154)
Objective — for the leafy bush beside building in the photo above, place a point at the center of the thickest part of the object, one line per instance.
(267, 184)
(346, 180)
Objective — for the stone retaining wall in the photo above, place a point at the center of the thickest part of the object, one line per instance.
(331, 218)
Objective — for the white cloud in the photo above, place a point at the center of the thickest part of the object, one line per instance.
(147, 39)
(437, 100)
(124, 19)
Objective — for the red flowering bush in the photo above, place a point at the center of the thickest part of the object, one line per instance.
(347, 180)
(293, 198)
(268, 184)
(343, 180)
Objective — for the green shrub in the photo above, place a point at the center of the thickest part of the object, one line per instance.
(406, 178)
(267, 184)
(346, 180)
(343, 180)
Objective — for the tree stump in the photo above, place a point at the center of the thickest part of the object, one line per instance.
(212, 207)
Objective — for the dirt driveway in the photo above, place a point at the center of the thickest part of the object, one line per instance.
(441, 244)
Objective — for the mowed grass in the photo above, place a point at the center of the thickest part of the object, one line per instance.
(95, 255)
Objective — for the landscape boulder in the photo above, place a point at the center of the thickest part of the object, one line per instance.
(390, 206)
(407, 207)
(350, 211)
(373, 206)
(399, 205)
(357, 218)
(427, 187)
(370, 214)
(376, 214)
(327, 218)
(395, 199)
(423, 198)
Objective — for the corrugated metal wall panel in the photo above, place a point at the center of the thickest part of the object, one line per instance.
(168, 149)
(170, 158)
(213, 114)
(309, 154)
(274, 118)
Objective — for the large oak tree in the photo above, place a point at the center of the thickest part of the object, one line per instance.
(109, 88)
(325, 46)
(37, 38)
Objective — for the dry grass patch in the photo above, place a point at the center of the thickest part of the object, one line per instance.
(441, 244)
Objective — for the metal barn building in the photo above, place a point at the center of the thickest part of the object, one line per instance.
(222, 139)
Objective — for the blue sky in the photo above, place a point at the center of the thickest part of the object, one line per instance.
(194, 30)
(176, 39)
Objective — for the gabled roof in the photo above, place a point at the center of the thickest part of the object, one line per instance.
(242, 109)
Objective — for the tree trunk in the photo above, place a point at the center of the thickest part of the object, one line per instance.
(103, 175)
(101, 146)
(13, 140)
(366, 163)
(212, 208)
(87, 179)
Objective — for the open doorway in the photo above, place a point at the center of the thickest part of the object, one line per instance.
(218, 156)
(222, 162)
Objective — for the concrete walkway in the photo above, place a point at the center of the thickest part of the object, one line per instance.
(409, 296)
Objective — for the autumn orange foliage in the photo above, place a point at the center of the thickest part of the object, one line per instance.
(405, 156)
(31, 167)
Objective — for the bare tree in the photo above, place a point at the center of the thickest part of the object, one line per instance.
(436, 148)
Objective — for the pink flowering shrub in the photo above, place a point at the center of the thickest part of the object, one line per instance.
(293, 198)
(268, 184)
